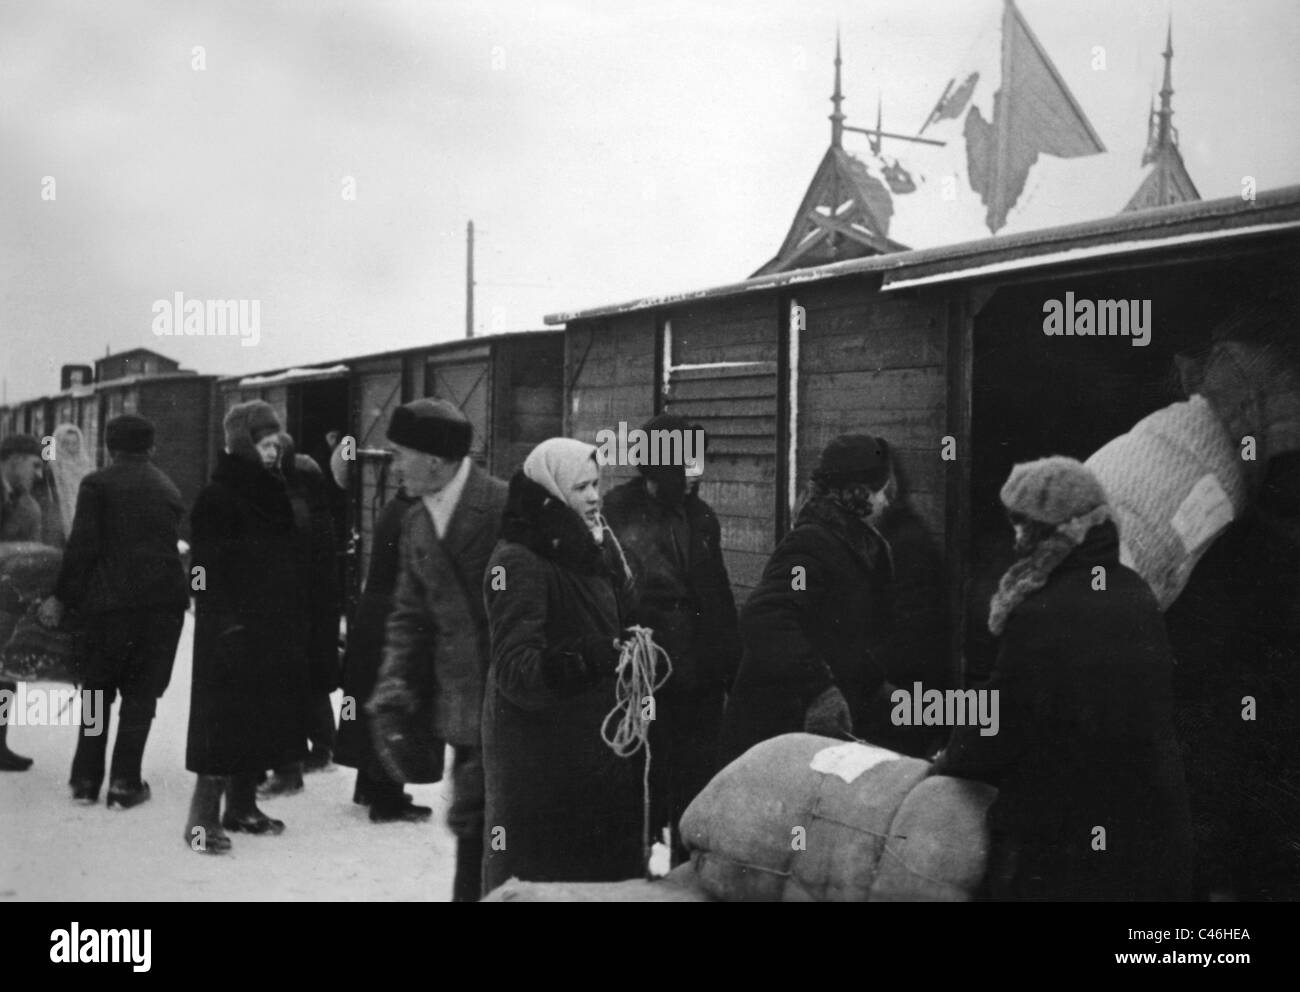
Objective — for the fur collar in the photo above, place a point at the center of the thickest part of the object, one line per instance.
(264, 489)
(860, 537)
(544, 525)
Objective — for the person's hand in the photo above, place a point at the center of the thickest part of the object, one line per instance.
(828, 715)
(50, 613)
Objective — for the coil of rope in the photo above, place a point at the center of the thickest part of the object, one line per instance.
(639, 675)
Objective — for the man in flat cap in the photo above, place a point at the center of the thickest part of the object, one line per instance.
(813, 628)
(122, 570)
(436, 643)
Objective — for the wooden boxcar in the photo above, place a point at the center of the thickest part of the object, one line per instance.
(923, 346)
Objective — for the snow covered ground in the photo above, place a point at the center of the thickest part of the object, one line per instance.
(51, 848)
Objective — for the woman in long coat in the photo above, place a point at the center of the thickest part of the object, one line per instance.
(561, 806)
(812, 628)
(250, 669)
(1092, 803)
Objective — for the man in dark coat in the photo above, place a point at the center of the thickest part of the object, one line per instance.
(437, 633)
(1092, 803)
(250, 667)
(813, 626)
(122, 570)
(354, 747)
(561, 805)
(317, 616)
(673, 541)
(20, 520)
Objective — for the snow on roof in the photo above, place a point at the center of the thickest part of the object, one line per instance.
(293, 375)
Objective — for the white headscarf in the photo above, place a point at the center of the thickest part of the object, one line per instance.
(556, 464)
(68, 470)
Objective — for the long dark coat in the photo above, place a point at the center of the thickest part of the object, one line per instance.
(437, 631)
(122, 556)
(319, 598)
(250, 667)
(807, 630)
(365, 644)
(561, 806)
(1085, 740)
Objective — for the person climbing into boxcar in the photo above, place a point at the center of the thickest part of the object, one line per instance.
(20, 520)
(1091, 798)
(316, 620)
(673, 542)
(122, 571)
(561, 805)
(250, 668)
(811, 630)
(437, 632)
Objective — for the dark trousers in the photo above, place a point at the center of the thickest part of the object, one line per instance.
(320, 723)
(465, 817)
(130, 653)
(683, 757)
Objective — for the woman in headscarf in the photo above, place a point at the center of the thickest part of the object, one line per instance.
(250, 663)
(1091, 803)
(813, 627)
(561, 806)
(71, 463)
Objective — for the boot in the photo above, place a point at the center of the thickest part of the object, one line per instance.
(404, 810)
(284, 782)
(203, 832)
(125, 795)
(9, 761)
(242, 814)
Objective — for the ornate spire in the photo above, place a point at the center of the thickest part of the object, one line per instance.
(837, 115)
(1166, 136)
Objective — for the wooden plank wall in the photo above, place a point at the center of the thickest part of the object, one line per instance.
(528, 399)
(876, 364)
(179, 411)
(737, 406)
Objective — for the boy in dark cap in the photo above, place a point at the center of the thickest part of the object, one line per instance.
(674, 543)
(812, 628)
(122, 570)
(20, 520)
(437, 632)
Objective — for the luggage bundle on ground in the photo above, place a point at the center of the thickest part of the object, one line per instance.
(802, 818)
(680, 885)
(29, 651)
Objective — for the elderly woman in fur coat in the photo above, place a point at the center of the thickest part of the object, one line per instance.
(1092, 803)
(561, 806)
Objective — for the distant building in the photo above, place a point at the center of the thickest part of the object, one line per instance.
(137, 361)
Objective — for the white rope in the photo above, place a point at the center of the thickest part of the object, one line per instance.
(639, 676)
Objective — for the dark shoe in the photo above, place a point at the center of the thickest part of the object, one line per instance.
(286, 783)
(85, 793)
(124, 795)
(256, 823)
(407, 812)
(10, 762)
(211, 841)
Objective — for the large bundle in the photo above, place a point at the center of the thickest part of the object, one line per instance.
(680, 885)
(1175, 482)
(28, 651)
(802, 818)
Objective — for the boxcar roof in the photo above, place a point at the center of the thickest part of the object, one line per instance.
(1125, 234)
(437, 347)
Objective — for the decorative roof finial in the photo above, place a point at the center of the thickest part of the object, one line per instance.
(837, 115)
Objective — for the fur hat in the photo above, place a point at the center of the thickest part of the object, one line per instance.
(129, 433)
(852, 458)
(1054, 491)
(435, 427)
(246, 424)
(19, 444)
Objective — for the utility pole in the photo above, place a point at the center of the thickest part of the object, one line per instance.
(469, 280)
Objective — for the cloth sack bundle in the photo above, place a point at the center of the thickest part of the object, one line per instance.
(1175, 482)
(30, 651)
(803, 818)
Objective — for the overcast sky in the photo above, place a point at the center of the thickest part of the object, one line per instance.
(605, 150)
